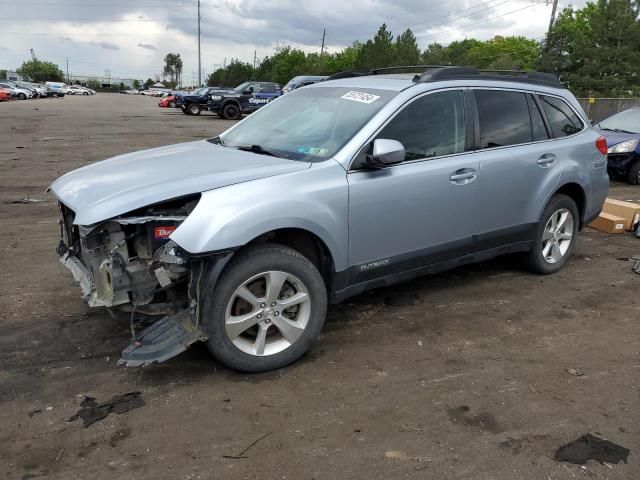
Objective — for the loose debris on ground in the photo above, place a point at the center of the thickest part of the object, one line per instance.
(91, 411)
(591, 447)
(242, 453)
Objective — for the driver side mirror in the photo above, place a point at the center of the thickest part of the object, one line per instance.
(387, 152)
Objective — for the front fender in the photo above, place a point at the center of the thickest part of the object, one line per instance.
(313, 199)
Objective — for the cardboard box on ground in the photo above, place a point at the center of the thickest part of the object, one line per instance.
(617, 216)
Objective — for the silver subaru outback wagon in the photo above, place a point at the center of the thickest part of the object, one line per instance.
(350, 184)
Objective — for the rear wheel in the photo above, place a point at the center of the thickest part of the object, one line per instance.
(172, 104)
(231, 111)
(633, 176)
(266, 310)
(555, 235)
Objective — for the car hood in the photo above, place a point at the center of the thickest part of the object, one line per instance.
(614, 138)
(124, 183)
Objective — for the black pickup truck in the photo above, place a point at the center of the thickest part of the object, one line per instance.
(193, 103)
(245, 98)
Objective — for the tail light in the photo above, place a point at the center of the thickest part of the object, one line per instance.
(601, 144)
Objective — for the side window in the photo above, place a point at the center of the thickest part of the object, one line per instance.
(431, 126)
(504, 118)
(538, 128)
(562, 118)
(267, 88)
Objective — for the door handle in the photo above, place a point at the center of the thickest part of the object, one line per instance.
(546, 160)
(463, 176)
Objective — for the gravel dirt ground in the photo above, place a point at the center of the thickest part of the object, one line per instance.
(468, 381)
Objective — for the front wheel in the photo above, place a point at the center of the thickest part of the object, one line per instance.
(194, 109)
(172, 104)
(555, 235)
(22, 96)
(266, 310)
(633, 176)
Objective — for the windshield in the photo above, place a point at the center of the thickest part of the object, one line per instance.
(627, 121)
(309, 124)
(242, 87)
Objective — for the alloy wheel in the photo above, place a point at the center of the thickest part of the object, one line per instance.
(557, 236)
(268, 313)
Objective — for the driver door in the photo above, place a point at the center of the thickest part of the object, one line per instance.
(418, 212)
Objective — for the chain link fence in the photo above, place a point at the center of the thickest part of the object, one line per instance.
(598, 109)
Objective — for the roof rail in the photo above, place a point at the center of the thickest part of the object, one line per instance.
(379, 71)
(435, 73)
(471, 73)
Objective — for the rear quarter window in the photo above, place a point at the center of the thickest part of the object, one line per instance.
(562, 119)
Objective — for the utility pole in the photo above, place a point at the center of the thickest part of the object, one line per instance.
(254, 59)
(67, 59)
(324, 31)
(553, 16)
(199, 56)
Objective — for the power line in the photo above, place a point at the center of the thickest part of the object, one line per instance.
(486, 20)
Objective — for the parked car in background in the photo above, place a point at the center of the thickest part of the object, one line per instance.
(245, 98)
(334, 189)
(168, 102)
(622, 132)
(5, 95)
(301, 81)
(80, 90)
(41, 90)
(194, 102)
(17, 92)
(58, 89)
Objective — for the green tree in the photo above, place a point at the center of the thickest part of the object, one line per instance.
(172, 68)
(93, 84)
(38, 71)
(378, 52)
(3, 74)
(148, 82)
(136, 84)
(407, 51)
(232, 75)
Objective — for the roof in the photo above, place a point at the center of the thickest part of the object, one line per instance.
(393, 82)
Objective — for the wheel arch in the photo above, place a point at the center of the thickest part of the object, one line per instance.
(577, 193)
(306, 243)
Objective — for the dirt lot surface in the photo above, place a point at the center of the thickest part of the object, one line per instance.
(469, 382)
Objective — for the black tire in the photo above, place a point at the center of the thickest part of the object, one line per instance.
(22, 96)
(535, 259)
(54, 95)
(194, 109)
(172, 104)
(85, 93)
(252, 261)
(231, 111)
(633, 176)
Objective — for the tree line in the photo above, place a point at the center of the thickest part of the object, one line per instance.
(595, 50)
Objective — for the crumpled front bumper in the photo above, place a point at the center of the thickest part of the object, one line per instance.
(83, 276)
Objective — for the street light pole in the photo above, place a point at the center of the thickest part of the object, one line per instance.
(199, 56)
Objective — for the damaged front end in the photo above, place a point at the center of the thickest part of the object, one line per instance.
(129, 263)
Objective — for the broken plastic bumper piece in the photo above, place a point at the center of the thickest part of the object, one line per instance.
(163, 340)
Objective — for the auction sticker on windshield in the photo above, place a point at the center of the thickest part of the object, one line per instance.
(361, 97)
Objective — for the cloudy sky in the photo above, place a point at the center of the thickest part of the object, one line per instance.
(129, 38)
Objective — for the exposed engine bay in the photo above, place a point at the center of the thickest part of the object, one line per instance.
(129, 261)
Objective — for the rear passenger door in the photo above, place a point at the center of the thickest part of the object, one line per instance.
(518, 166)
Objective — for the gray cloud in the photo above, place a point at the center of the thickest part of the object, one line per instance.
(105, 45)
(147, 46)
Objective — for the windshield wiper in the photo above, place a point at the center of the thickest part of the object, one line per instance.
(617, 130)
(260, 151)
